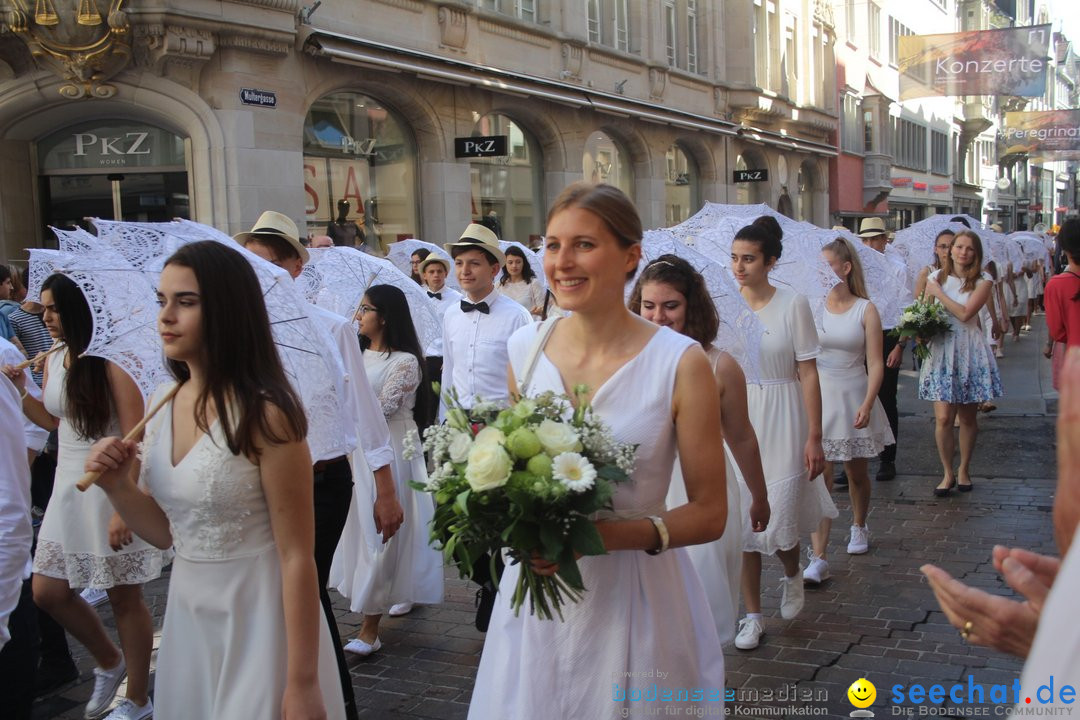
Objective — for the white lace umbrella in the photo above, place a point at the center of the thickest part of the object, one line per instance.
(122, 301)
(800, 267)
(740, 329)
(536, 261)
(400, 253)
(337, 278)
(889, 293)
(308, 353)
(1032, 245)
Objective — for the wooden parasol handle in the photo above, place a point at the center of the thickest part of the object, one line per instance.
(40, 356)
(91, 477)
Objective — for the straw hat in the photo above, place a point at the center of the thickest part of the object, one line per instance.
(872, 227)
(433, 258)
(274, 224)
(478, 236)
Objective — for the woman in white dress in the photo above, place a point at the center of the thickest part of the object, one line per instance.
(644, 609)
(520, 284)
(407, 570)
(82, 544)
(229, 481)
(854, 427)
(1017, 294)
(672, 294)
(786, 409)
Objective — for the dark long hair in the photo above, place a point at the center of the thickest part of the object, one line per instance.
(244, 375)
(766, 233)
(90, 406)
(702, 322)
(399, 334)
(527, 273)
(423, 253)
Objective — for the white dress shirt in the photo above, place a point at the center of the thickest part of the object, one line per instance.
(449, 296)
(36, 436)
(15, 531)
(475, 357)
(363, 419)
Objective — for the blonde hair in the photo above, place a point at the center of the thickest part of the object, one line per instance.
(974, 273)
(842, 248)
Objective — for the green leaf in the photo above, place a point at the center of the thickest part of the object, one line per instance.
(461, 505)
(585, 538)
(569, 571)
(551, 541)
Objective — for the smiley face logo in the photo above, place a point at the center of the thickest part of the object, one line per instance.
(862, 693)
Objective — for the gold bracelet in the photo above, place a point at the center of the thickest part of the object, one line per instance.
(661, 530)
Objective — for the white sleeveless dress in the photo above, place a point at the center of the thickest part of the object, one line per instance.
(779, 418)
(73, 543)
(719, 563)
(640, 613)
(406, 569)
(223, 646)
(842, 374)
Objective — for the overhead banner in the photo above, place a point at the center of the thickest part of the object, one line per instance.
(1050, 134)
(1011, 61)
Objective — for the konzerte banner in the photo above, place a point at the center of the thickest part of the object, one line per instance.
(1052, 134)
(1011, 61)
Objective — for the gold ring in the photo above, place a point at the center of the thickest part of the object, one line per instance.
(966, 631)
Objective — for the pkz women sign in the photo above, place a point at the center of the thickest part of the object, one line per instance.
(1010, 61)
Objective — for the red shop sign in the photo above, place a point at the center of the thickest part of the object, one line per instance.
(920, 186)
(939, 188)
(901, 182)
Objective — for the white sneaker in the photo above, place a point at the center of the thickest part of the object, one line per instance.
(356, 646)
(750, 632)
(105, 684)
(128, 710)
(859, 542)
(401, 609)
(94, 596)
(791, 604)
(817, 571)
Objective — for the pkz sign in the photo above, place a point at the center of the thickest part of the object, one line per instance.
(480, 146)
(110, 144)
(259, 98)
(751, 176)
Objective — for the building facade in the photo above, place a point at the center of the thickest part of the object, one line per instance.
(424, 115)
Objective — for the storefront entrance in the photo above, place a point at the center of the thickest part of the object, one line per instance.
(114, 170)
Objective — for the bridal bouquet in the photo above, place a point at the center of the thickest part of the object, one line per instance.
(526, 479)
(923, 320)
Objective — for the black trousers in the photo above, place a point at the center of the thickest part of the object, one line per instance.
(333, 495)
(19, 659)
(54, 650)
(434, 374)
(887, 396)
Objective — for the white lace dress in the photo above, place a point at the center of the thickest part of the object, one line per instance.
(719, 563)
(527, 294)
(406, 569)
(644, 624)
(73, 543)
(842, 374)
(223, 647)
(779, 418)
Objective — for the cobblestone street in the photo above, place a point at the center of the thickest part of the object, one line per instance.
(875, 618)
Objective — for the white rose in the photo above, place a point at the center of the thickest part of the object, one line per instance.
(490, 435)
(459, 447)
(557, 437)
(907, 317)
(489, 467)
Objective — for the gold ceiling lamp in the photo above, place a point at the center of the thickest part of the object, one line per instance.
(45, 13)
(76, 41)
(88, 13)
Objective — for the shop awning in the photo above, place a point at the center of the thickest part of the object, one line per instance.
(381, 56)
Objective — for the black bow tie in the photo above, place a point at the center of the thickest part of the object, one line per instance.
(437, 296)
(482, 306)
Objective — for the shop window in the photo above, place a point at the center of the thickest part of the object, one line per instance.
(750, 193)
(681, 186)
(359, 150)
(605, 161)
(507, 190)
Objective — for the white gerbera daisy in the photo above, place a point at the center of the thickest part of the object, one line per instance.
(573, 471)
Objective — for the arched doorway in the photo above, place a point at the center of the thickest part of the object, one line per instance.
(806, 182)
(605, 160)
(682, 187)
(507, 191)
(115, 170)
(359, 150)
(751, 193)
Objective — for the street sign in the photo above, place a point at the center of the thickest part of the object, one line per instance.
(751, 176)
(480, 146)
(260, 98)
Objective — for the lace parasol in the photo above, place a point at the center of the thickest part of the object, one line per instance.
(400, 253)
(337, 278)
(886, 279)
